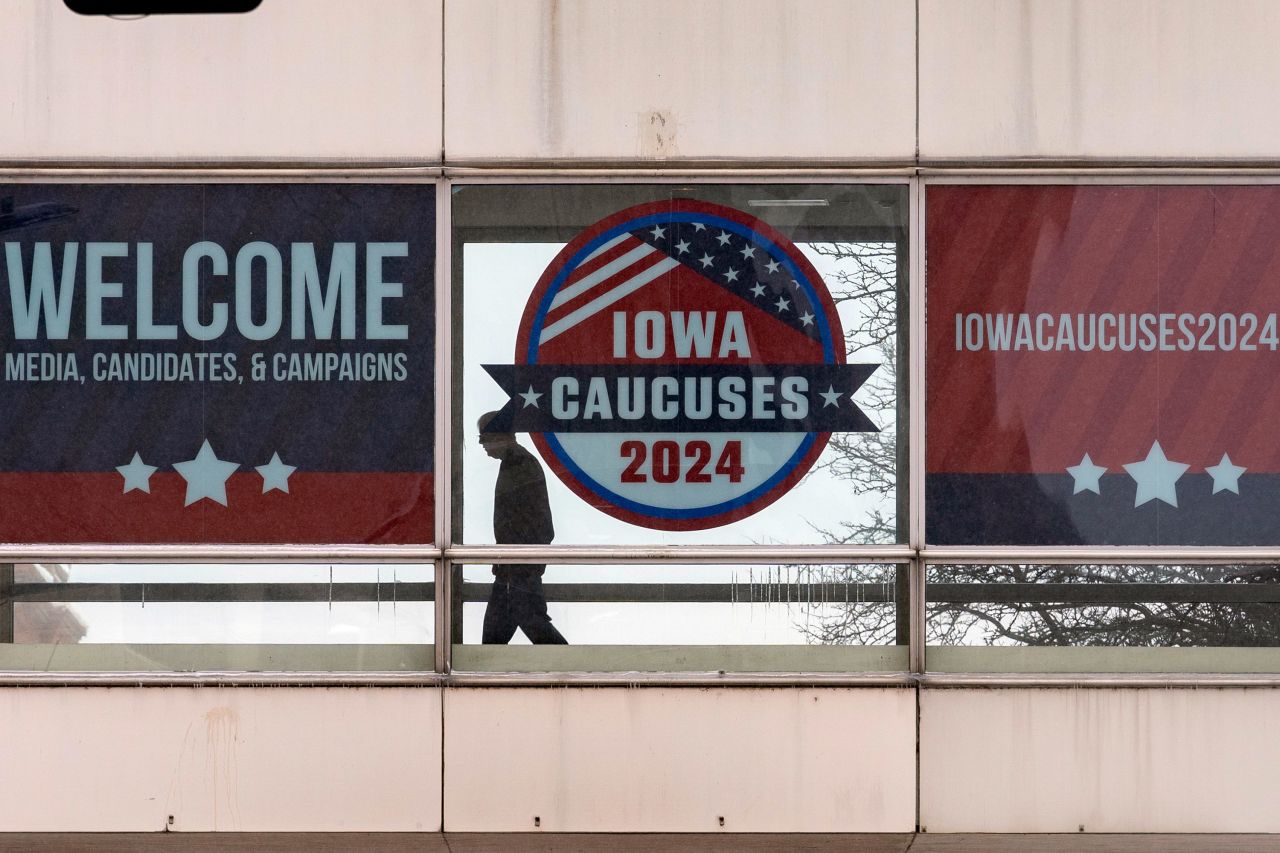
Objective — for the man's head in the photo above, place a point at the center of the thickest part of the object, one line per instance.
(496, 444)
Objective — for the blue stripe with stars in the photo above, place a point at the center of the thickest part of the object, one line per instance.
(539, 320)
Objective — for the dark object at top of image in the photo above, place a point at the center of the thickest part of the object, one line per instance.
(161, 7)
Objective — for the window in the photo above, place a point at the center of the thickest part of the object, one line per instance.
(719, 367)
(198, 363)
(1101, 365)
(672, 617)
(227, 617)
(217, 363)
(685, 337)
(1103, 618)
(1100, 373)
(670, 364)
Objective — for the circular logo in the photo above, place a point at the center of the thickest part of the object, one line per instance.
(680, 365)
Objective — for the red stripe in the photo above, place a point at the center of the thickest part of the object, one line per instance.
(1104, 259)
(1246, 235)
(1092, 250)
(603, 287)
(319, 509)
(587, 267)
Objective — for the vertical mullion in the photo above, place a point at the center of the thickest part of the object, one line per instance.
(902, 420)
(916, 417)
(443, 617)
(443, 398)
(919, 617)
(916, 366)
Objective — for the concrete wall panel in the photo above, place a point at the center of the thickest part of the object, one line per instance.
(292, 79)
(1099, 79)
(615, 80)
(678, 759)
(245, 759)
(1136, 760)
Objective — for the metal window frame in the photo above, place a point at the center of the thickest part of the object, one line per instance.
(915, 555)
(442, 553)
(904, 554)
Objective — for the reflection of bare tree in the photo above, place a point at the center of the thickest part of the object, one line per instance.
(863, 280)
(864, 277)
(1139, 614)
(867, 274)
(1109, 606)
(868, 461)
(858, 623)
(1139, 622)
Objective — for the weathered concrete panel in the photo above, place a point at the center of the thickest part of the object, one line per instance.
(292, 79)
(686, 79)
(1131, 760)
(678, 759)
(239, 759)
(1099, 79)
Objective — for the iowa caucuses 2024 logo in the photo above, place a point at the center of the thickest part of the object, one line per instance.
(680, 366)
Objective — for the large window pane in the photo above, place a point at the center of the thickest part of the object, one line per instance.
(198, 362)
(1097, 618)
(217, 617)
(683, 617)
(1101, 365)
(709, 363)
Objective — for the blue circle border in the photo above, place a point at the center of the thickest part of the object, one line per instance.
(828, 353)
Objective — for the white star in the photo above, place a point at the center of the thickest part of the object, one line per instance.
(1226, 477)
(806, 318)
(830, 397)
(758, 290)
(795, 284)
(723, 238)
(698, 226)
(137, 475)
(731, 275)
(530, 397)
(782, 304)
(706, 261)
(748, 251)
(206, 476)
(1156, 477)
(1086, 476)
(772, 266)
(275, 474)
(657, 232)
(682, 247)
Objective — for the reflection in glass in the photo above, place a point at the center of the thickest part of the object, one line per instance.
(805, 605)
(45, 622)
(98, 604)
(1104, 605)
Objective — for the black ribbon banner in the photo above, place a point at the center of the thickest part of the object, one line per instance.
(680, 398)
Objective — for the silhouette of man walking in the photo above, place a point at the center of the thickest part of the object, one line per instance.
(521, 516)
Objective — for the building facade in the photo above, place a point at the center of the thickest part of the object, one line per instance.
(1022, 583)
